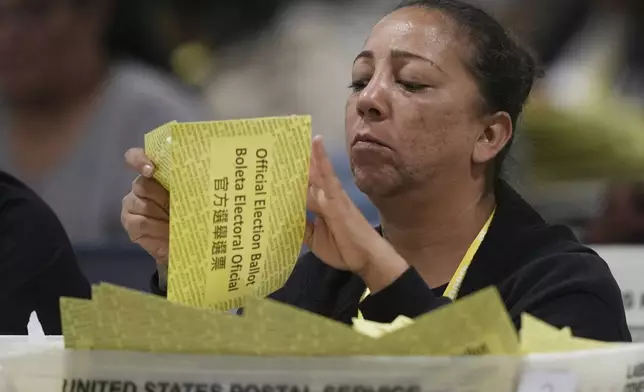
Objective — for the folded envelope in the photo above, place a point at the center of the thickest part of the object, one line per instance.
(539, 337)
(237, 202)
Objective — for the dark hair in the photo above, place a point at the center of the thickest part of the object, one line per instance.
(504, 71)
(129, 31)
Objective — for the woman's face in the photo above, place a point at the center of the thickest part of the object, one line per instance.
(414, 114)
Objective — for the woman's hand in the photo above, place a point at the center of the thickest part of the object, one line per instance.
(340, 235)
(146, 209)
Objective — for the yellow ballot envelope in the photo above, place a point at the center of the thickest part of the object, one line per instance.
(79, 320)
(237, 205)
(539, 337)
(477, 324)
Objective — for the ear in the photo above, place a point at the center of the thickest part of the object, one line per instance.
(493, 137)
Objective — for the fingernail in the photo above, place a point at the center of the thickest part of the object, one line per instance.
(161, 252)
(147, 170)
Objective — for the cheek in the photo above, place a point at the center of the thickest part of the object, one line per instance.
(440, 131)
(351, 119)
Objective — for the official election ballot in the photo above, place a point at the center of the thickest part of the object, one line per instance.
(237, 202)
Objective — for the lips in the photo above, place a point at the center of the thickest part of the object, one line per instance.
(368, 138)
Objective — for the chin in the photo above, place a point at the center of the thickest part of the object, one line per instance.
(376, 183)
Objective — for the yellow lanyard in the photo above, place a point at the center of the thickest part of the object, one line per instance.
(454, 284)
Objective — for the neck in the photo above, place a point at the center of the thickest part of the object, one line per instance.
(435, 228)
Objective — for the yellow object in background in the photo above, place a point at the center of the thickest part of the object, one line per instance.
(599, 141)
(238, 205)
(193, 62)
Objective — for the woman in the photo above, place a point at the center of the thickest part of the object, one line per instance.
(436, 93)
(37, 262)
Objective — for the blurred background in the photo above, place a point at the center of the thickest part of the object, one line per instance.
(81, 81)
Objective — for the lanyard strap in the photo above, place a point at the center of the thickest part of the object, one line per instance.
(455, 283)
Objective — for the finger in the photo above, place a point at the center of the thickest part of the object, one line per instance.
(323, 169)
(155, 247)
(314, 188)
(314, 178)
(135, 205)
(146, 188)
(137, 160)
(312, 201)
(139, 226)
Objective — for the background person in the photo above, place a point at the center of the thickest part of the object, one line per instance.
(71, 100)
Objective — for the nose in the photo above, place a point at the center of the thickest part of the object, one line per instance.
(373, 101)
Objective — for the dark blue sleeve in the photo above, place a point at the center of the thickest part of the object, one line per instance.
(408, 295)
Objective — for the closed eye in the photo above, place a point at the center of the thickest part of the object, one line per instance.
(358, 85)
(412, 87)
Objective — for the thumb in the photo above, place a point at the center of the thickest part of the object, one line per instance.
(137, 160)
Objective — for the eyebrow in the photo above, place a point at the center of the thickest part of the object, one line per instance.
(397, 54)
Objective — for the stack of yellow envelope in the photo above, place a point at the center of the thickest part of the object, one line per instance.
(123, 319)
